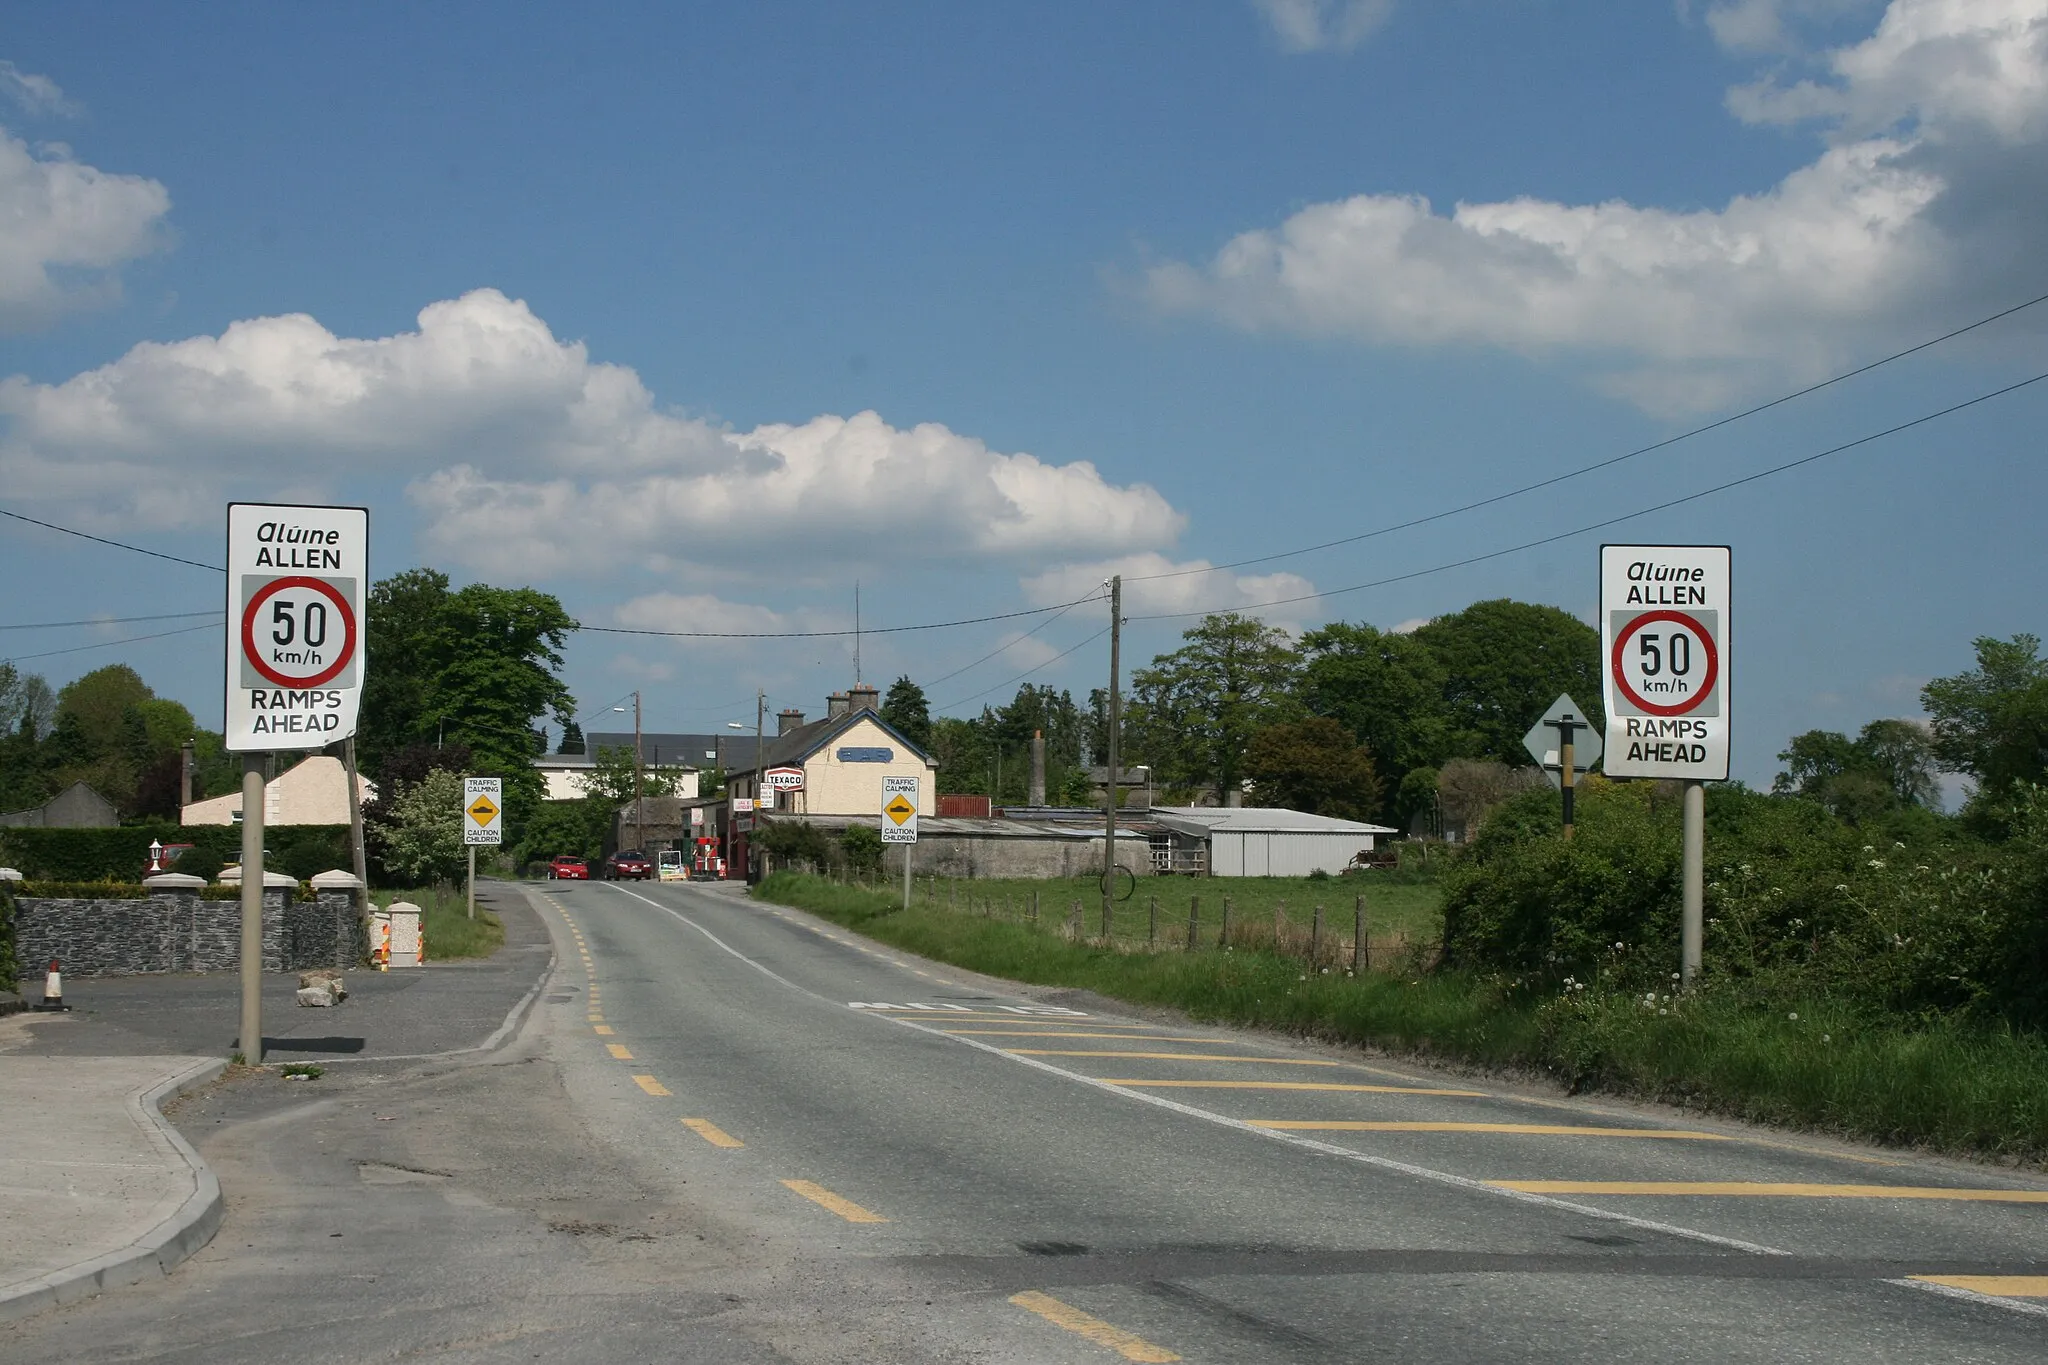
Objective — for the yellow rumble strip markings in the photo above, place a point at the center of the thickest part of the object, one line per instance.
(1171, 1056)
(712, 1133)
(2000, 1286)
(618, 1050)
(1126, 1344)
(1532, 1129)
(824, 1198)
(1762, 1188)
(650, 1085)
(595, 1018)
(1302, 1085)
(1043, 1033)
(603, 1030)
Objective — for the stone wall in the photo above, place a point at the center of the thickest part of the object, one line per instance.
(989, 855)
(174, 930)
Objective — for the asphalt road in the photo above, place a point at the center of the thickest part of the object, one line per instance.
(733, 1133)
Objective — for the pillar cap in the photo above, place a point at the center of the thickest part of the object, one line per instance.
(337, 880)
(173, 881)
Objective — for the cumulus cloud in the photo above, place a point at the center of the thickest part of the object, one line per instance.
(69, 229)
(33, 94)
(1323, 25)
(1926, 197)
(527, 456)
(1155, 585)
(1772, 26)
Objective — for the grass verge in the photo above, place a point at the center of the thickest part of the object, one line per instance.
(450, 932)
(1819, 1066)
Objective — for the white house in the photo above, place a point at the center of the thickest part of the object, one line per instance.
(312, 792)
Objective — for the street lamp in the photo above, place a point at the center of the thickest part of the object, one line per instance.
(639, 794)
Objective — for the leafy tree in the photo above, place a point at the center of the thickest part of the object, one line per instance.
(1388, 691)
(572, 738)
(611, 780)
(1313, 765)
(1194, 711)
(1992, 722)
(1889, 765)
(578, 828)
(1471, 788)
(27, 705)
(1503, 663)
(420, 831)
(906, 708)
(862, 845)
(98, 704)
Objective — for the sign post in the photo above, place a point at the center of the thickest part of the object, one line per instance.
(294, 676)
(1664, 634)
(1566, 746)
(483, 821)
(899, 821)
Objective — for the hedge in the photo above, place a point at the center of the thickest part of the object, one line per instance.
(119, 855)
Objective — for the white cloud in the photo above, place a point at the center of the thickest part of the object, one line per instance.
(1928, 199)
(1409, 626)
(1771, 26)
(1323, 25)
(1155, 585)
(32, 93)
(69, 228)
(527, 456)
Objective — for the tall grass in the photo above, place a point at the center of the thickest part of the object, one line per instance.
(451, 934)
(1816, 1064)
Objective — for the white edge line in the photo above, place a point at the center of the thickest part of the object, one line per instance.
(1331, 1149)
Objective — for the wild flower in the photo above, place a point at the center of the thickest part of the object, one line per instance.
(1793, 1016)
(1877, 863)
(1827, 1037)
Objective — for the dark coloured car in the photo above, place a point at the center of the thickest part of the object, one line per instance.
(567, 868)
(628, 865)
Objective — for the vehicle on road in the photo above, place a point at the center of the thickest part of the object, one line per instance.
(567, 868)
(628, 865)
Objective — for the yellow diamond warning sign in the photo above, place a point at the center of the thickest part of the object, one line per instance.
(483, 804)
(899, 810)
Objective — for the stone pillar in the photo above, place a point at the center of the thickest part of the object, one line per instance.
(340, 941)
(174, 897)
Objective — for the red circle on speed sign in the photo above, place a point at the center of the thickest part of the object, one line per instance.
(325, 672)
(1697, 631)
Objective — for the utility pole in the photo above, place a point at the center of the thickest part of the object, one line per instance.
(639, 783)
(359, 862)
(186, 764)
(1116, 635)
(856, 632)
(760, 770)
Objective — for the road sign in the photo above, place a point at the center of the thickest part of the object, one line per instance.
(1664, 646)
(784, 780)
(483, 810)
(1546, 737)
(899, 810)
(295, 624)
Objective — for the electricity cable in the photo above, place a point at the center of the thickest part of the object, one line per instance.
(117, 544)
(1013, 643)
(107, 644)
(828, 634)
(1598, 465)
(1610, 521)
(1029, 672)
(111, 620)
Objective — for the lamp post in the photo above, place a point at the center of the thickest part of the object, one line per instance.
(639, 790)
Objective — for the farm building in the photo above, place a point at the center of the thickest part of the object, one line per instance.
(1243, 841)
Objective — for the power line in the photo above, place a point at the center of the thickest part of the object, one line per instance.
(1013, 643)
(1615, 521)
(1597, 465)
(106, 644)
(827, 634)
(1029, 672)
(117, 544)
(110, 620)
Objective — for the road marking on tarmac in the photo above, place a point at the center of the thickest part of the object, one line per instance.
(2003, 1286)
(1044, 1033)
(1305, 1085)
(1528, 1129)
(712, 1133)
(603, 1030)
(1126, 1344)
(824, 1198)
(1769, 1189)
(618, 1051)
(650, 1085)
(1169, 1056)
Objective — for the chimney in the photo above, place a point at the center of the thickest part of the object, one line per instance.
(787, 719)
(863, 698)
(836, 706)
(1036, 797)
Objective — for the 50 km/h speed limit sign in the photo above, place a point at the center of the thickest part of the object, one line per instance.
(295, 624)
(1664, 635)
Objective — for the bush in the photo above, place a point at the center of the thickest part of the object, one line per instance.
(862, 845)
(92, 855)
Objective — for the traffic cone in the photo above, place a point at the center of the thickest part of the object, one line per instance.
(53, 989)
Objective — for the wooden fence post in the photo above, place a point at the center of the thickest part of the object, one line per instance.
(1315, 936)
(1034, 907)
(1361, 955)
(1223, 934)
(1194, 923)
(1152, 924)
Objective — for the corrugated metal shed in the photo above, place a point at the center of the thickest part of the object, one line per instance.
(1268, 841)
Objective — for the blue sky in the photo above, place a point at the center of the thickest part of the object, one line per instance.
(693, 315)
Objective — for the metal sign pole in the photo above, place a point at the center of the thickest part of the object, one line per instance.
(1116, 621)
(907, 850)
(472, 881)
(252, 908)
(1564, 760)
(1693, 867)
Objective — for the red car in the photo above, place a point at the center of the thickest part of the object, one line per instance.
(628, 866)
(568, 869)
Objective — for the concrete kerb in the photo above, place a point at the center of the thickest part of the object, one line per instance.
(160, 1249)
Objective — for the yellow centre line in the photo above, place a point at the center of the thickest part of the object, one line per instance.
(1531, 1129)
(2000, 1286)
(1170, 1056)
(712, 1133)
(1763, 1188)
(1126, 1344)
(594, 1018)
(650, 1085)
(603, 1030)
(1041, 1033)
(1302, 1085)
(618, 1051)
(824, 1198)
(996, 1017)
